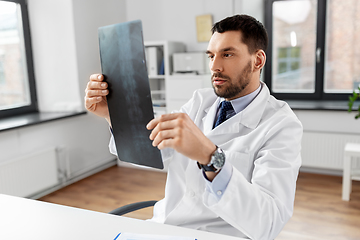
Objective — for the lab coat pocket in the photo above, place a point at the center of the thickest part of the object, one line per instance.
(240, 161)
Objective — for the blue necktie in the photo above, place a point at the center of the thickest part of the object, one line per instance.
(225, 106)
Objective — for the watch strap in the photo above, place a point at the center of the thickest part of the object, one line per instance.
(211, 166)
(207, 168)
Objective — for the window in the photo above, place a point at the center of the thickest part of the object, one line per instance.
(17, 85)
(312, 48)
(288, 68)
(342, 52)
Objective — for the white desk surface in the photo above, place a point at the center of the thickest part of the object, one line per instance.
(22, 218)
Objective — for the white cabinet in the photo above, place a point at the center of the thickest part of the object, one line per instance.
(158, 78)
(180, 88)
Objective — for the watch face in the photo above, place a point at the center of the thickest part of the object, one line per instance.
(218, 158)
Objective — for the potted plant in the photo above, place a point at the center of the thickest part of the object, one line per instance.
(352, 99)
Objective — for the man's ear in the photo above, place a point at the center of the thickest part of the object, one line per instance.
(260, 59)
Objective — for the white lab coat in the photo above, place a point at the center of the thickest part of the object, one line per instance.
(262, 143)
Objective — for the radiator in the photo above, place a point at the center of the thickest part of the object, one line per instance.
(29, 174)
(326, 150)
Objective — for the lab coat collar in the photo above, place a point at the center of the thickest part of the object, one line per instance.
(253, 112)
(249, 117)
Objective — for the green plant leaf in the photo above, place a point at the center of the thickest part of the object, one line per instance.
(352, 99)
(350, 104)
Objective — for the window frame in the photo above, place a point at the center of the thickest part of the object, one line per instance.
(319, 93)
(33, 107)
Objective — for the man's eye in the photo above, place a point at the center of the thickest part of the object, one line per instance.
(210, 56)
(227, 55)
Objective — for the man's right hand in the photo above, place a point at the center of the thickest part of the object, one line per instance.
(95, 96)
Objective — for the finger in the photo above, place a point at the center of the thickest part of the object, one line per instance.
(166, 143)
(152, 124)
(96, 85)
(96, 93)
(163, 118)
(163, 135)
(97, 77)
(170, 116)
(89, 102)
(163, 125)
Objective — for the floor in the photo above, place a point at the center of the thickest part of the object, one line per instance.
(319, 212)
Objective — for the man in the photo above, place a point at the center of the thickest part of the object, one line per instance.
(237, 177)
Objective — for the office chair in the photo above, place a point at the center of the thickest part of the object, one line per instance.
(132, 207)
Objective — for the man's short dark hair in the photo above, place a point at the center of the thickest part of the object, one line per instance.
(254, 34)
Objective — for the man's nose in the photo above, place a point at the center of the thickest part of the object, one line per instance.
(216, 65)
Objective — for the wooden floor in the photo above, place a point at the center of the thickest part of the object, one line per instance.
(319, 211)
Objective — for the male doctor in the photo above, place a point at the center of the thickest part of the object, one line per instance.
(234, 150)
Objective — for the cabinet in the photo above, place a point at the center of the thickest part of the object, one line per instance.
(159, 64)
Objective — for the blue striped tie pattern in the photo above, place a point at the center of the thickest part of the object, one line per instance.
(225, 106)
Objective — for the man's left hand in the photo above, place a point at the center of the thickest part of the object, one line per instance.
(179, 132)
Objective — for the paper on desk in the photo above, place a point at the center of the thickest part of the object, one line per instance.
(137, 236)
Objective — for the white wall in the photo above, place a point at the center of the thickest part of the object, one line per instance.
(65, 51)
(325, 136)
(89, 15)
(176, 20)
(65, 47)
(53, 44)
(341, 122)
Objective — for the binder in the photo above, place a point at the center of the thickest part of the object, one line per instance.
(154, 57)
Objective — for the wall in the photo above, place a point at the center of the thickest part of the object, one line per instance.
(176, 20)
(54, 53)
(325, 136)
(89, 15)
(65, 51)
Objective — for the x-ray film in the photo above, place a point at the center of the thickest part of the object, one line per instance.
(123, 65)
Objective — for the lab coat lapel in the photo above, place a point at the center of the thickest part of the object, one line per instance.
(252, 114)
(249, 117)
(208, 120)
(229, 126)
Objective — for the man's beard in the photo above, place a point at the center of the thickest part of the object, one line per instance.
(234, 89)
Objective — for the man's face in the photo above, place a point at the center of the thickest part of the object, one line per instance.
(231, 65)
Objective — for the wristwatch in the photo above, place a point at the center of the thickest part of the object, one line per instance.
(217, 161)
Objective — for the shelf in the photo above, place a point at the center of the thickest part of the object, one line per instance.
(158, 91)
(159, 103)
(158, 82)
(157, 77)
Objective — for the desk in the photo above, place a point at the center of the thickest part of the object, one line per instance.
(22, 218)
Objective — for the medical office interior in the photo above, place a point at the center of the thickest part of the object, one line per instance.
(65, 146)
